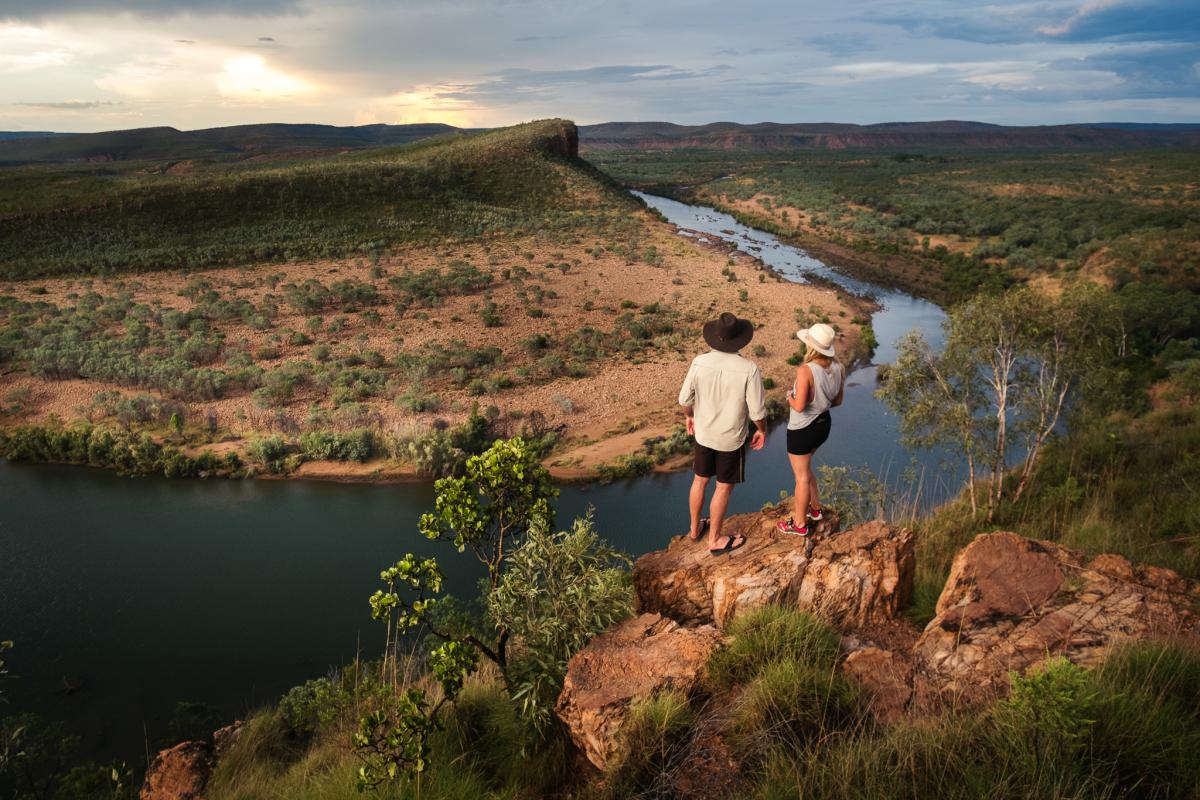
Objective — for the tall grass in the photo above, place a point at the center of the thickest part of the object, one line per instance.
(1128, 729)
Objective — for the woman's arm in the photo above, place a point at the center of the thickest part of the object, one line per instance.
(837, 401)
(802, 386)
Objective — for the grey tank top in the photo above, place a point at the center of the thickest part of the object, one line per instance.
(826, 385)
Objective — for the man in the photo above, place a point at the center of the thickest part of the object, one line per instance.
(721, 392)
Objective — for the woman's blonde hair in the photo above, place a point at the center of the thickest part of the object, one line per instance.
(811, 354)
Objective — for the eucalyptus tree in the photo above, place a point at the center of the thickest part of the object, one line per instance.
(1005, 376)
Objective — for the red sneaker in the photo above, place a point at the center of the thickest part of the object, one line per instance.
(789, 527)
(813, 514)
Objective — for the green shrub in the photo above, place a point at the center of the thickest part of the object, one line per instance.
(625, 466)
(271, 453)
(557, 592)
(332, 446)
(769, 634)
(650, 739)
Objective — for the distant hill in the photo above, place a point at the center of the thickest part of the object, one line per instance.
(230, 143)
(524, 179)
(837, 136)
(10, 135)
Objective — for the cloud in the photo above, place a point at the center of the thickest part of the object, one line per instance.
(1090, 21)
(70, 105)
(522, 85)
(1123, 20)
(840, 45)
(50, 9)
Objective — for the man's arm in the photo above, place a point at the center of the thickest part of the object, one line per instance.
(756, 404)
(687, 399)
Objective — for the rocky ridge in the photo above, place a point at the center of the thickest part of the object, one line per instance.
(1009, 604)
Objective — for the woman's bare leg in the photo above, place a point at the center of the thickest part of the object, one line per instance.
(802, 469)
(813, 499)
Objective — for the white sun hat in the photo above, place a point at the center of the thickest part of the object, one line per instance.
(819, 337)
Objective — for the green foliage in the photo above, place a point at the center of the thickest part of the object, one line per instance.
(128, 453)
(503, 492)
(1018, 212)
(1126, 729)
(315, 704)
(627, 465)
(857, 493)
(765, 635)
(791, 703)
(651, 737)
(394, 742)
(1010, 365)
(558, 590)
(272, 453)
(513, 179)
(332, 446)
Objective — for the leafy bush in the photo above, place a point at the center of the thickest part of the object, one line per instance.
(558, 590)
(272, 453)
(332, 446)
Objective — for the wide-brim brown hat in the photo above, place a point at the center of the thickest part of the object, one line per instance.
(728, 333)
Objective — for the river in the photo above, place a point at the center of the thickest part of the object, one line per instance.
(125, 596)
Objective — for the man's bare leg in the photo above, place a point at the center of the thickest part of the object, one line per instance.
(716, 511)
(696, 504)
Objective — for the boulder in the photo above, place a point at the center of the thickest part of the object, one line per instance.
(1012, 602)
(634, 659)
(854, 578)
(885, 677)
(179, 773)
(225, 738)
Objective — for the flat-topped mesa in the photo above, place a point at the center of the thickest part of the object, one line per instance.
(859, 577)
(1011, 602)
(566, 143)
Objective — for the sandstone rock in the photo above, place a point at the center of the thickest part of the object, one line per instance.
(634, 659)
(886, 677)
(1011, 602)
(224, 738)
(179, 773)
(858, 577)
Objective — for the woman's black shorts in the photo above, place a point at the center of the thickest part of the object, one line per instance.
(805, 440)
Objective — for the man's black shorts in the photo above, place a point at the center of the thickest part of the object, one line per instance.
(729, 467)
(802, 441)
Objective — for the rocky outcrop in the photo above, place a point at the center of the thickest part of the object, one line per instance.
(179, 773)
(633, 660)
(225, 738)
(1011, 602)
(859, 577)
(886, 679)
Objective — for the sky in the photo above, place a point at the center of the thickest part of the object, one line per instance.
(88, 65)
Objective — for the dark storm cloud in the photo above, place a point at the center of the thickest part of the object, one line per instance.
(69, 105)
(1146, 71)
(48, 9)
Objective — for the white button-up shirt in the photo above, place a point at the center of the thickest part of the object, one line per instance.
(725, 391)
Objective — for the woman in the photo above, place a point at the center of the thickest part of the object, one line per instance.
(818, 387)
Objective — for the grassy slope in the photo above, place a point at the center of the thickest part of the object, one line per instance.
(775, 701)
(59, 221)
